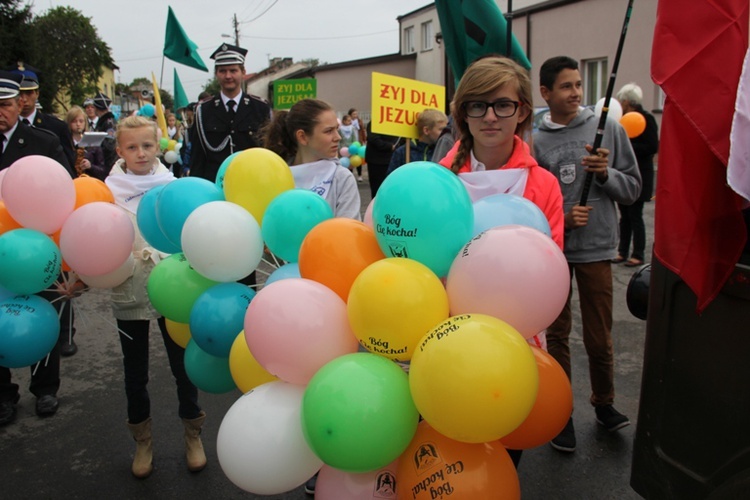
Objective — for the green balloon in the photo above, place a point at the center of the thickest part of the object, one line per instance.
(163, 143)
(357, 412)
(174, 286)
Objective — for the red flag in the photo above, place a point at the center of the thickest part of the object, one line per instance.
(697, 59)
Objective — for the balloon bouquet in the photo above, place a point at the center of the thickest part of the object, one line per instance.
(420, 284)
(51, 223)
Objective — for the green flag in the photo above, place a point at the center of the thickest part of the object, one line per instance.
(180, 97)
(178, 47)
(473, 28)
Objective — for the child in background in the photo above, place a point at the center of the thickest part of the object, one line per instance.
(430, 124)
(137, 171)
(347, 131)
(307, 137)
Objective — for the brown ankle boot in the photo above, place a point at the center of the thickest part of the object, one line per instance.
(143, 459)
(196, 457)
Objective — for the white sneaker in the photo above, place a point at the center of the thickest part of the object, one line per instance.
(359, 179)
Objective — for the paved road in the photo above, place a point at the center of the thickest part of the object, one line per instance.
(85, 451)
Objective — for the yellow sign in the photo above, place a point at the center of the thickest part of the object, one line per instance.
(397, 101)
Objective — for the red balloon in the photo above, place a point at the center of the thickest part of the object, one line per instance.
(552, 409)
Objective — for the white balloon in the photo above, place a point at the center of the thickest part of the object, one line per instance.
(111, 280)
(171, 157)
(222, 241)
(177, 147)
(615, 109)
(260, 444)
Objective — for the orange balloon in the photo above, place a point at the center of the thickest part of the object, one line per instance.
(434, 466)
(335, 251)
(56, 238)
(552, 409)
(634, 123)
(7, 222)
(90, 189)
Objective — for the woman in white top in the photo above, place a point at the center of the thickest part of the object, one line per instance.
(307, 137)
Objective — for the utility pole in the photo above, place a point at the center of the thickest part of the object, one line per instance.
(236, 26)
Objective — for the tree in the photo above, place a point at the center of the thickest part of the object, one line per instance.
(70, 54)
(212, 86)
(15, 31)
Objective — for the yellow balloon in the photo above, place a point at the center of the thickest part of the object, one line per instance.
(254, 178)
(246, 372)
(393, 303)
(355, 160)
(180, 332)
(171, 144)
(474, 378)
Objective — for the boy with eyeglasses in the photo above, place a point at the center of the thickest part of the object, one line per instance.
(562, 145)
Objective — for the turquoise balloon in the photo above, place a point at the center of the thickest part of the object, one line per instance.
(178, 199)
(173, 287)
(362, 151)
(29, 261)
(223, 170)
(423, 212)
(149, 226)
(288, 219)
(357, 412)
(508, 209)
(290, 270)
(207, 372)
(218, 316)
(354, 147)
(29, 328)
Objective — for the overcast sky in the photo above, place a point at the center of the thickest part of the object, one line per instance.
(328, 30)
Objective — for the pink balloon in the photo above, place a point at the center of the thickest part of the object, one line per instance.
(335, 484)
(97, 238)
(514, 273)
(113, 279)
(2, 176)
(295, 326)
(344, 152)
(39, 193)
(368, 214)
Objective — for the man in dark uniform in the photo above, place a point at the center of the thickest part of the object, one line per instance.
(105, 122)
(228, 122)
(19, 140)
(31, 116)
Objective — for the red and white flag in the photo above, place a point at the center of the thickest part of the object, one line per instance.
(697, 60)
(738, 169)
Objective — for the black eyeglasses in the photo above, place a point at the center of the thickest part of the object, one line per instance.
(503, 108)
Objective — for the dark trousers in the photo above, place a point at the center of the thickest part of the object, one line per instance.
(376, 173)
(594, 281)
(631, 224)
(45, 375)
(135, 362)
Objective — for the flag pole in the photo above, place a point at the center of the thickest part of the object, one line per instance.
(161, 76)
(607, 98)
(509, 29)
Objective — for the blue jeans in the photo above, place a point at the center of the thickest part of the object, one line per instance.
(135, 361)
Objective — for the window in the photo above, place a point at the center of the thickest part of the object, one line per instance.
(427, 38)
(596, 77)
(409, 40)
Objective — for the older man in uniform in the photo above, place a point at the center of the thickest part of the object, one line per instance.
(228, 122)
(18, 140)
(30, 115)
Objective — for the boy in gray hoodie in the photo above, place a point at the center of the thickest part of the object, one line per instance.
(561, 145)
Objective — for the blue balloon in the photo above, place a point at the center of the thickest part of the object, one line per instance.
(507, 209)
(29, 261)
(5, 294)
(423, 212)
(288, 219)
(218, 316)
(177, 201)
(147, 110)
(208, 373)
(29, 328)
(290, 270)
(345, 162)
(148, 225)
(223, 170)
